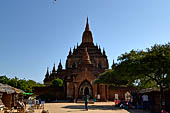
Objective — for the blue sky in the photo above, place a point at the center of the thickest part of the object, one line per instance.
(36, 33)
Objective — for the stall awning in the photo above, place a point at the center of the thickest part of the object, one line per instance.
(6, 88)
(9, 89)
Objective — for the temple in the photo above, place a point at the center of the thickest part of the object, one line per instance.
(83, 65)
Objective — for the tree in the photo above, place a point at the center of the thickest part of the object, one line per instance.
(13, 82)
(152, 65)
(25, 85)
(4, 79)
(149, 68)
(22, 84)
(57, 83)
(111, 77)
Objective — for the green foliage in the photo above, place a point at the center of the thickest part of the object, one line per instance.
(150, 68)
(57, 83)
(111, 77)
(4, 79)
(25, 85)
(152, 65)
(144, 69)
(13, 82)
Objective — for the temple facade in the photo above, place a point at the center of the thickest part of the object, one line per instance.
(83, 65)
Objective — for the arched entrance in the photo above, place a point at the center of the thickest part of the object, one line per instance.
(85, 89)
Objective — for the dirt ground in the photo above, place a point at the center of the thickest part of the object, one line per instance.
(99, 107)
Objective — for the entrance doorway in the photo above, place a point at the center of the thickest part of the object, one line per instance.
(85, 89)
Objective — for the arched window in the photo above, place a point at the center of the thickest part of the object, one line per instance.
(100, 66)
(73, 65)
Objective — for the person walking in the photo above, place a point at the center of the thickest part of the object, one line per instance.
(86, 99)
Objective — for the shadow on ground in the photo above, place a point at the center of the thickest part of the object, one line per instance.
(138, 111)
(102, 107)
(92, 107)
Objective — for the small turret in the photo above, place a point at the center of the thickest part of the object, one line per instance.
(70, 53)
(99, 49)
(60, 67)
(47, 73)
(97, 45)
(104, 53)
(113, 65)
(77, 45)
(53, 71)
(74, 49)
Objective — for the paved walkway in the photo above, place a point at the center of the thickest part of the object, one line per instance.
(99, 107)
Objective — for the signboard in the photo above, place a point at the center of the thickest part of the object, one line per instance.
(116, 96)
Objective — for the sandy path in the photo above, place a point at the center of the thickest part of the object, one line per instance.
(99, 107)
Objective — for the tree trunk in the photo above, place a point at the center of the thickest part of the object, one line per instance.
(162, 98)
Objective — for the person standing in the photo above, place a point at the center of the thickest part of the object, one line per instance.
(145, 101)
(98, 97)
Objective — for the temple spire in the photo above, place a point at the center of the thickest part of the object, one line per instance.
(87, 25)
(87, 35)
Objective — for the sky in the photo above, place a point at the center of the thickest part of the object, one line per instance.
(35, 34)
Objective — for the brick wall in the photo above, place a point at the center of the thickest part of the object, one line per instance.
(167, 100)
(49, 92)
(117, 90)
